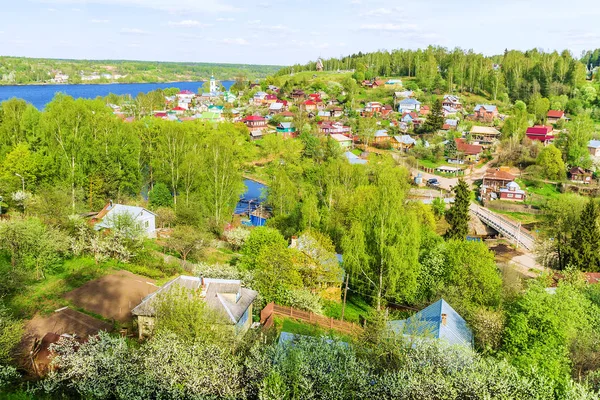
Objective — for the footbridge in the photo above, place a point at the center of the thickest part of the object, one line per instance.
(509, 229)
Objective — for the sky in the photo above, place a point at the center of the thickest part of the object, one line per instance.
(284, 32)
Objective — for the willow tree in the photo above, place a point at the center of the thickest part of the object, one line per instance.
(381, 247)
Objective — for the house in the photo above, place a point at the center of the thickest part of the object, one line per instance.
(113, 214)
(337, 112)
(579, 175)
(403, 94)
(287, 114)
(344, 141)
(541, 133)
(185, 96)
(381, 136)
(425, 110)
(298, 94)
(276, 108)
(354, 159)
(259, 98)
(409, 117)
(497, 178)
(512, 192)
(270, 99)
(328, 127)
(324, 115)
(372, 108)
(485, 134)
(229, 97)
(486, 112)
(439, 321)
(225, 296)
(409, 104)
(386, 110)
(468, 152)
(446, 111)
(310, 106)
(404, 142)
(450, 124)
(256, 124)
(554, 116)
(594, 148)
(179, 110)
(452, 102)
(286, 129)
(394, 82)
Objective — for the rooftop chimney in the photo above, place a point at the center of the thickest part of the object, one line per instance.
(444, 319)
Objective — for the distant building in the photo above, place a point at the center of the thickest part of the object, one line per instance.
(580, 175)
(485, 134)
(554, 116)
(486, 112)
(409, 104)
(319, 65)
(594, 148)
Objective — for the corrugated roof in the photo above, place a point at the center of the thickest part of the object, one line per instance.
(430, 322)
(594, 144)
(488, 107)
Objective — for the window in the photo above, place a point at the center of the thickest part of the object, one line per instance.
(509, 195)
(147, 224)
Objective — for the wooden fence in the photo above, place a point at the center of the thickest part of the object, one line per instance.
(271, 309)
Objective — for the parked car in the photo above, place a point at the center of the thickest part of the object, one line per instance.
(433, 182)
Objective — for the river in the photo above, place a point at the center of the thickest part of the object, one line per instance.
(252, 198)
(40, 95)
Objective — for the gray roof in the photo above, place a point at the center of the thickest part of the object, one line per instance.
(276, 106)
(226, 296)
(405, 139)
(285, 125)
(409, 101)
(451, 122)
(487, 107)
(438, 320)
(381, 133)
(353, 158)
(594, 144)
(117, 210)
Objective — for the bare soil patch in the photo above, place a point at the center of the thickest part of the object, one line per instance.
(112, 296)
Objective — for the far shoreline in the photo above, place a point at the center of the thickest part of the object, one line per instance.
(110, 83)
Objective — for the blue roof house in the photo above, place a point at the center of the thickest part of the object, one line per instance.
(438, 321)
(408, 105)
(353, 158)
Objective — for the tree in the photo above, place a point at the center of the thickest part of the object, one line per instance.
(435, 119)
(381, 245)
(259, 238)
(160, 196)
(187, 240)
(366, 130)
(551, 163)
(580, 130)
(458, 214)
(11, 331)
(586, 238)
(225, 149)
(450, 149)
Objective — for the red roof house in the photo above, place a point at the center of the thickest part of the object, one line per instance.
(554, 116)
(541, 133)
(470, 152)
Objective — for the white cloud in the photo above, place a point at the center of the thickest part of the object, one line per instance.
(189, 23)
(575, 37)
(264, 4)
(178, 6)
(389, 27)
(254, 22)
(235, 41)
(355, 2)
(99, 21)
(225, 19)
(383, 12)
(134, 31)
(51, 9)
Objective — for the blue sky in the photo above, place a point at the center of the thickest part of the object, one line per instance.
(287, 31)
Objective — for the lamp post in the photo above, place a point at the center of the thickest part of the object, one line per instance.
(22, 180)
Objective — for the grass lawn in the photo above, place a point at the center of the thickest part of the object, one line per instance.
(45, 295)
(356, 307)
(302, 328)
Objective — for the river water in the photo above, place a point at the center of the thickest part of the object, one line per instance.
(40, 95)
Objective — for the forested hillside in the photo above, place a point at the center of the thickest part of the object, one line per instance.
(16, 70)
(520, 75)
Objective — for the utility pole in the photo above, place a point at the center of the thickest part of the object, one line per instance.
(345, 294)
(22, 180)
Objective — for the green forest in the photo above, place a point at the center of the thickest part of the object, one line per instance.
(22, 71)
(532, 338)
